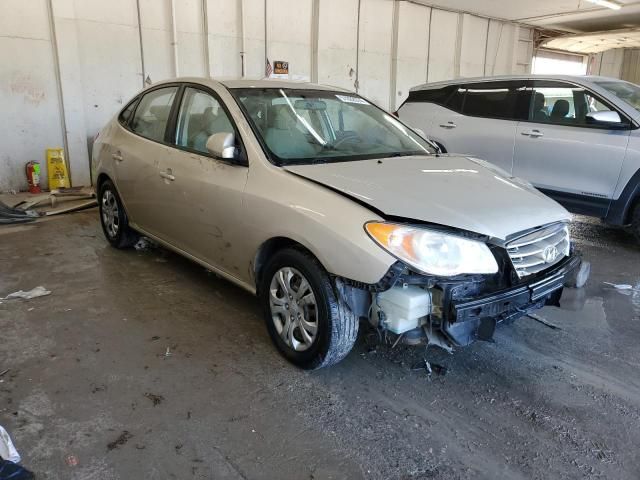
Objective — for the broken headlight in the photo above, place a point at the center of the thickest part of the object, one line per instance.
(433, 252)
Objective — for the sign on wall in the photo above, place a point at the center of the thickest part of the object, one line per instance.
(280, 69)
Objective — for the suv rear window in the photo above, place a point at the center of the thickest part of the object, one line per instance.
(439, 96)
(504, 100)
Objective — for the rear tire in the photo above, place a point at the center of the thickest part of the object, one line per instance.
(307, 322)
(635, 220)
(113, 218)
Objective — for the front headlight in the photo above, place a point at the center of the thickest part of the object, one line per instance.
(433, 252)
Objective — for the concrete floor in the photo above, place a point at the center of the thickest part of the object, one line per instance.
(90, 393)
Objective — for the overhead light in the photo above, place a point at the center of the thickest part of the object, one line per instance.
(606, 3)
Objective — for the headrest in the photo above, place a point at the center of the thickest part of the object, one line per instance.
(560, 109)
(281, 117)
(161, 112)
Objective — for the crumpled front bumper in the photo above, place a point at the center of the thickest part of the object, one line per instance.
(465, 321)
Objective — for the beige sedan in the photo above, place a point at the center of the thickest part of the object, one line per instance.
(331, 210)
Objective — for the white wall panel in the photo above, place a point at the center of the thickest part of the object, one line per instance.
(374, 64)
(27, 93)
(254, 38)
(337, 43)
(442, 45)
(155, 19)
(608, 63)
(289, 35)
(500, 48)
(189, 23)
(225, 25)
(413, 46)
(473, 46)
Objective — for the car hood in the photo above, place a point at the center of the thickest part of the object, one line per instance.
(455, 191)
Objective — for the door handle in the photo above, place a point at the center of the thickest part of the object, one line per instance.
(117, 156)
(448, 125)
(167, 175)
(533, 133)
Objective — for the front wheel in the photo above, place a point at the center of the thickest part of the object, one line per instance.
(309, 325)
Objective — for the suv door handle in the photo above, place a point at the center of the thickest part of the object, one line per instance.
(448, 125)
(117, 156)
(167, 175)
(533, 133)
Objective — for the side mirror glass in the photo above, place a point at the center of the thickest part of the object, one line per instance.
(604, 116)
(222, 145)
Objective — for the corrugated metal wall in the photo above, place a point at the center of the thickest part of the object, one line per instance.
(69, 65)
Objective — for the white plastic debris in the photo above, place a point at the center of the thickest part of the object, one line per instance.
(7, 450)
(33, 293)
(144, 244)
(621, 286)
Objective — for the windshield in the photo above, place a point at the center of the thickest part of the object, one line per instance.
(625, 91)
(308, 126)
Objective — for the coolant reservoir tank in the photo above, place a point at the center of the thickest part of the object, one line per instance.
(404, 307)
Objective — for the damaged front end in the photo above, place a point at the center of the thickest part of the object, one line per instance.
(458, 310)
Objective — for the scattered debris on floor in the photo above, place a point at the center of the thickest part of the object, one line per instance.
(430, 368)
(9, 215)
(54, 196)
(543, 321)
(622, 286)
(123, 438)
(71, 460)
(56, 202)
(144, 244)
(156, 399)
(39, 291)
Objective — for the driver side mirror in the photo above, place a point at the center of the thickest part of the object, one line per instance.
(604, 117)
(222, 145)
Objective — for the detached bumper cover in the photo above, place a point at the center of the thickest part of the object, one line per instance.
(476, 319)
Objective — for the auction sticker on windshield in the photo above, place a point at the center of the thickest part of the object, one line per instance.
(349, 99)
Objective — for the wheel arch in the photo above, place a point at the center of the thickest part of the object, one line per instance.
(269, 247)
(620, 210)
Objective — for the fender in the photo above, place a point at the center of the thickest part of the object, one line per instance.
(618, 213)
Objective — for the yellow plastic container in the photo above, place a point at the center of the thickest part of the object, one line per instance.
(57, 168)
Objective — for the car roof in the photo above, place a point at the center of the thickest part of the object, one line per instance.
(253, 83)
(580, 79)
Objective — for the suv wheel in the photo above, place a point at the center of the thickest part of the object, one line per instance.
(113, 218)
(635, 220)
(309, 325)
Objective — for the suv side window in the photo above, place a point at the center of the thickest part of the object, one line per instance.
(201, 115)
(561, 103)
(152, 115)
(502, 100)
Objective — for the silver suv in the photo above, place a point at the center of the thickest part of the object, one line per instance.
(331, 211)
(574, 138)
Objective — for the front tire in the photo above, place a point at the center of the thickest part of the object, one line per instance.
(307, 322)
(113, 218)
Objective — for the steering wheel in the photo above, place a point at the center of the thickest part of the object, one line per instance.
(348, 137)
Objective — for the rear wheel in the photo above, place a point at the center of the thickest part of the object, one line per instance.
(635, 220)
(113, 218)
(309, 325)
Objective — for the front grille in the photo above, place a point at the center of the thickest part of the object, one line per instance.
(540, 249)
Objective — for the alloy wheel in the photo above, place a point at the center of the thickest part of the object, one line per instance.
(293, 308)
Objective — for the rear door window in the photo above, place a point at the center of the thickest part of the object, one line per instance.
(152, 114)
(503, 100)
